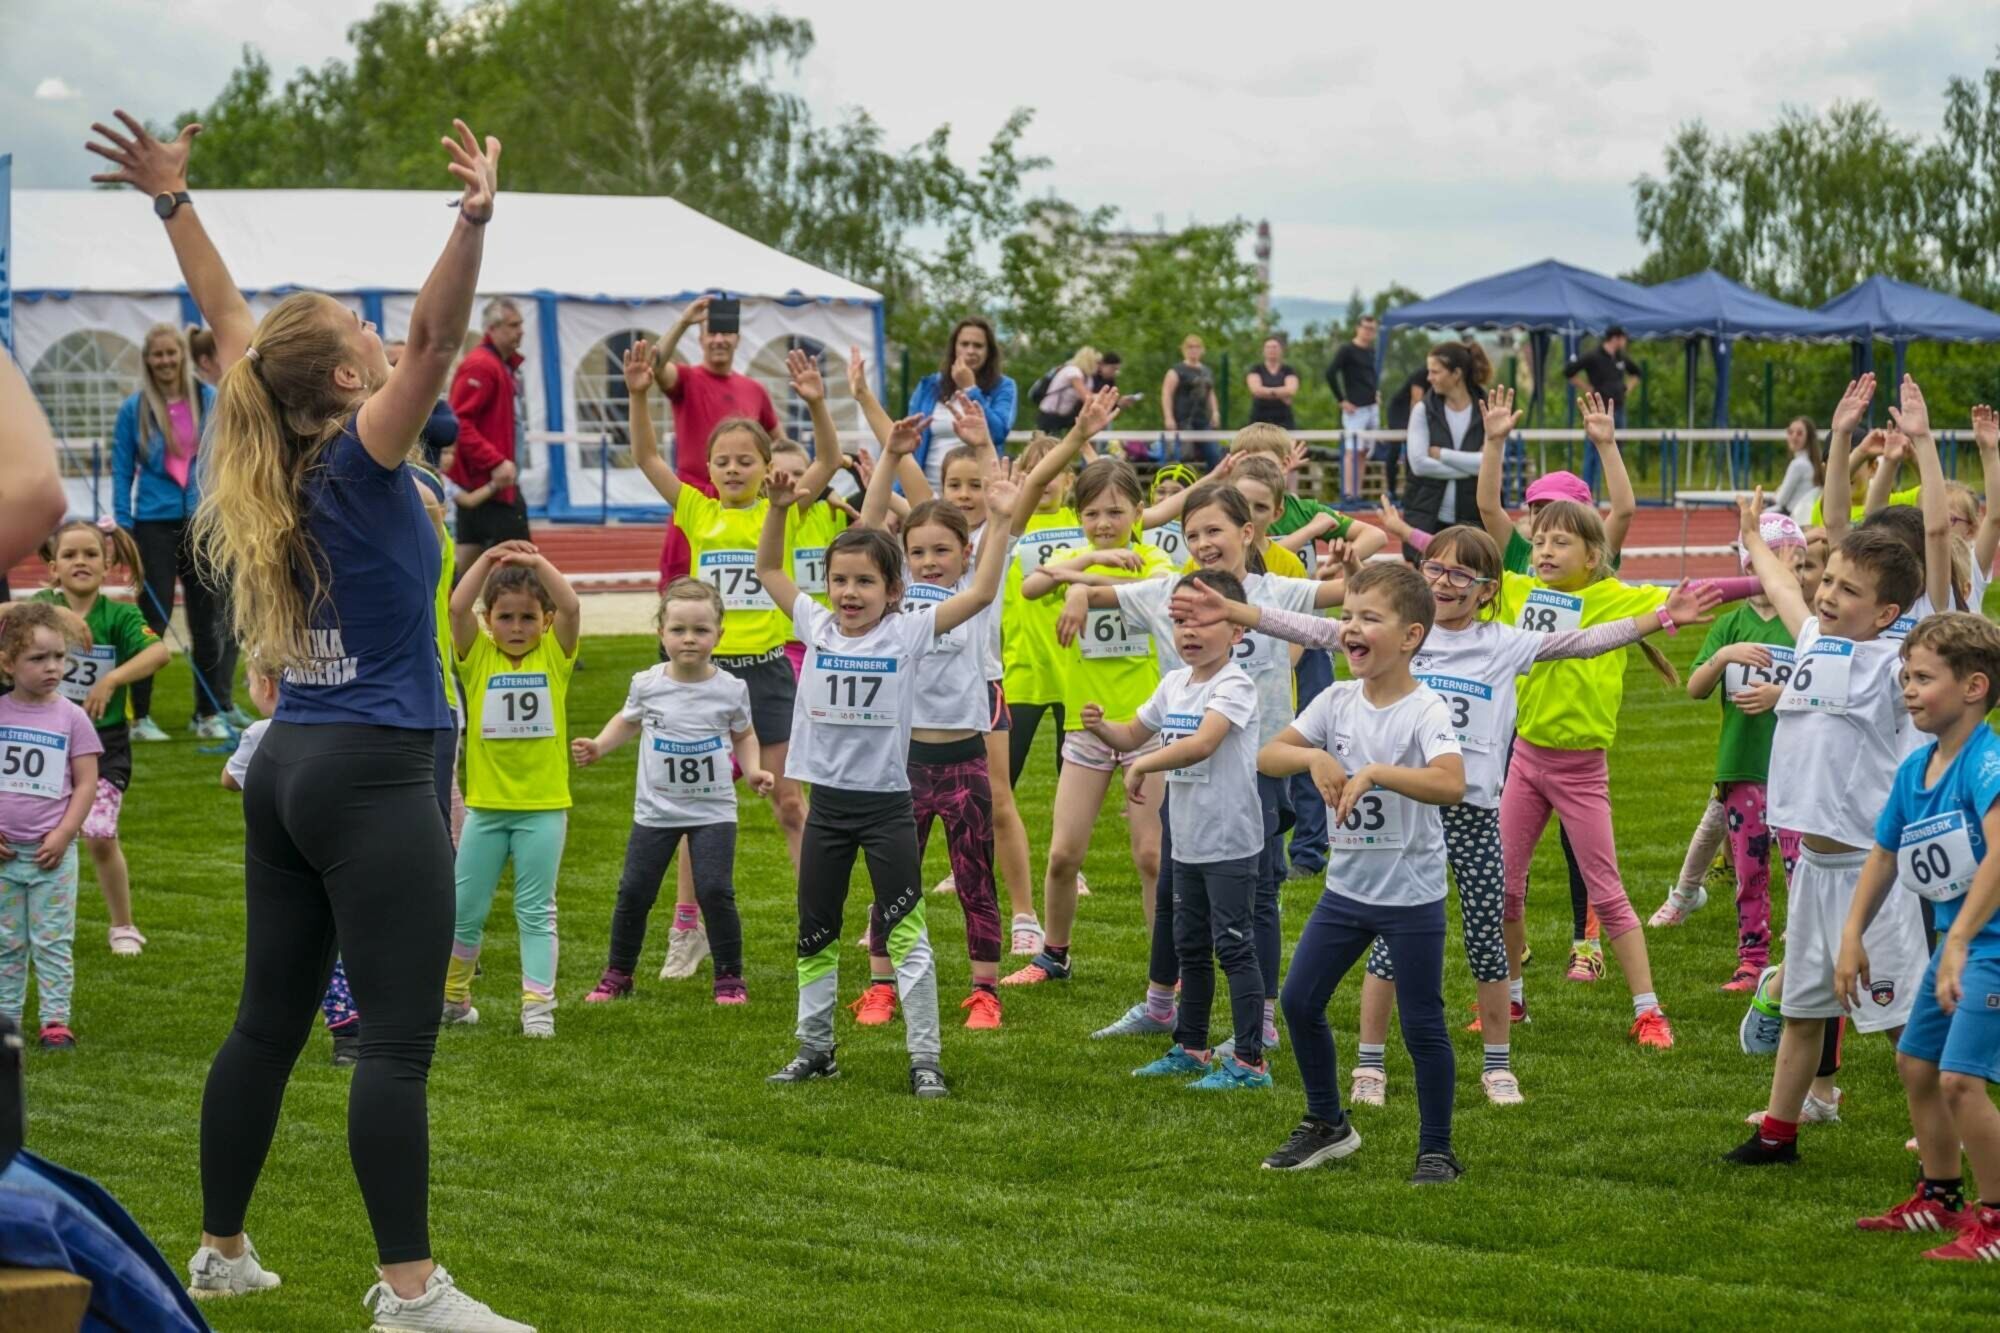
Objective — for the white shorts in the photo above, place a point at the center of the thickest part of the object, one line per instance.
(1086, 751)
(1818, 899)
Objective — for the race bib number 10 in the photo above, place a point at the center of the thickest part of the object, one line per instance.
(1170, 540)
(33, 762)
(519, 706)
(1548, 612)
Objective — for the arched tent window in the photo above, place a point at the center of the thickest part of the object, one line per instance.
(83, 380)
(602, 406)
(767, 366)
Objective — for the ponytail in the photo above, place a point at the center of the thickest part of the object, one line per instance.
(275, 412)
(1659, 662)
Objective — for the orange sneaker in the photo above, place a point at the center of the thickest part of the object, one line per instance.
(1651, 1029)
(985, 1007)
(876, 1006)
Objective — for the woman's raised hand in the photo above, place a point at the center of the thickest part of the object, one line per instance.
(144, 163)
(639, 367)
(478, 168)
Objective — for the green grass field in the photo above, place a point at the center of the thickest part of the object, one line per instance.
(638, 1173)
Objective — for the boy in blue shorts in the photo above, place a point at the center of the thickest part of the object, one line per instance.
(1932, 839)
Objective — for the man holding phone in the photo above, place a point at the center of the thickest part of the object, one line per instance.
(702, 397)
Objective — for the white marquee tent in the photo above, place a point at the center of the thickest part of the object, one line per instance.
(93, 271)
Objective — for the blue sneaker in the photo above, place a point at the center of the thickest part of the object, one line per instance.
(1758, 1033)
(1176, 1061)
(1230, 1075)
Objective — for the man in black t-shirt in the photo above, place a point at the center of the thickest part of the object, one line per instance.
(1606, 371)
(1351, 376)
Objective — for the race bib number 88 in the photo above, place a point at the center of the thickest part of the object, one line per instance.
(1547, 611)
(1036, 548)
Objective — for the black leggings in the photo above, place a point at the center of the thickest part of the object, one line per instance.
(168, 553)
(1021, 736)
(343, 850)
(711, 855)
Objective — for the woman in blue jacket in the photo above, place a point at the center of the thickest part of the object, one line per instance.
(154, 491)
(972, 367)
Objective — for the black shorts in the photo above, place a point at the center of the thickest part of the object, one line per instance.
(773, 687)
(998, 718)
(490, 524)
(115, 764)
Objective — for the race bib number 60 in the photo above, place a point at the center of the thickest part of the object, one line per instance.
(33, 762)
(1935, 859)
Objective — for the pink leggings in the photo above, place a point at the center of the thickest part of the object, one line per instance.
(1576, 785)
(1750, 848)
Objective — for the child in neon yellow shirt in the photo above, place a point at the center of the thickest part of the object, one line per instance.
(516, 669)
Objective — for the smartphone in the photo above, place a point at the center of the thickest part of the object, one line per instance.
(725, 315)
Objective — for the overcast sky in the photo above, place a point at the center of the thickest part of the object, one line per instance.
(1425, 145)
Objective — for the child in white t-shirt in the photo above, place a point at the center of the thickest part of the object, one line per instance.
(1384, 754)
(692, 719)
(1205, 714)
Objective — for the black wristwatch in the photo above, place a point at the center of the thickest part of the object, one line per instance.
(165, 204)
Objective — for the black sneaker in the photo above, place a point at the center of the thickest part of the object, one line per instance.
(1436, 1168)
(1313, 1142)
(927, 1081)
(346, 1044)
(806, 1066)
(1755, 1152)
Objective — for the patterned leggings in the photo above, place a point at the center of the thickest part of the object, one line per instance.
(1472, 845)
(949, 783)
(1750, 846)
(38, 923)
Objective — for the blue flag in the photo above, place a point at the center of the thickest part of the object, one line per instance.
(6, 252)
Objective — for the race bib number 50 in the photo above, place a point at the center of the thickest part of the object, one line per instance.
(519, 706)
(33, 762)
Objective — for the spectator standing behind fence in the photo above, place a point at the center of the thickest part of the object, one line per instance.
(1805, 475)
(1351, 376)
(155, 487)
(971, 367)
(702, 397)
(1273, 385)
(1396, 409)
(1187, 402)
(1446, 436)
(1055, 411)
(1606, 371)
(484, 391)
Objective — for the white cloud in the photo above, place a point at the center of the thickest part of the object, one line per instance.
(54, 89)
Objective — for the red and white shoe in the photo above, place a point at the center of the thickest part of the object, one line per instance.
(1651, 1029)
(1917, 1213)
(1978, 1240)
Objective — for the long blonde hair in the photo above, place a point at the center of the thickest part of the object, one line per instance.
(1087, 360)
(153, 418)
(276, 409)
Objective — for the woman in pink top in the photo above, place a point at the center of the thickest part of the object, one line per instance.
(155, 487)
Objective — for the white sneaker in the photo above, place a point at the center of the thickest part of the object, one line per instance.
(685, 950)
(1134, 1022)
(1502, 1088)
(127, 942)
(1370, 1088)
(460, 1012)
(538, 1019)
(1028, 937)
(210, 728)
(1679, 906)
(1814, 1112)
(945, 885)
(212, 1275)
(443, 1308)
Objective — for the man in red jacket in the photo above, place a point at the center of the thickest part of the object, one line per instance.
(482, 396)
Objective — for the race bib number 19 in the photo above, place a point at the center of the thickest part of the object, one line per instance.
(1548, 612)
(84, 668)
(519, 706)
(33, 762)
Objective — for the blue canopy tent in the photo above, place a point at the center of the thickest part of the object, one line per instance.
(1709, 305)
(1902, 313)
(1547, 299)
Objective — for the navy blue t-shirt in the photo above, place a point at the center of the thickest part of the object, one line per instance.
(374, 639)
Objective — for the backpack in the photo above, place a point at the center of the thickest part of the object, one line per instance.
(1040, 388)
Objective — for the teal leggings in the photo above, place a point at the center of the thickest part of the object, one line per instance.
(534, 840)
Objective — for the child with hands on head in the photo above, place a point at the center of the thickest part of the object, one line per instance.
(48, 781)
(953, 707)
(1934, 839)
(1834, 753)
(691, 720)
(854, 710)
(1384, 756)
(516, 667)
(1205, 716)
(122, 649)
